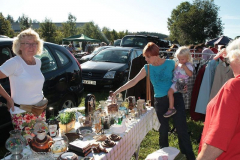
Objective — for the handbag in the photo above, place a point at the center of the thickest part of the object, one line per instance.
(37, 108)
(148, 91)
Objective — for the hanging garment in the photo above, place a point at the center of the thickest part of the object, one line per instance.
(187, 96)
(139, 90)
(195, 91)
(222, 74)
(205, 89)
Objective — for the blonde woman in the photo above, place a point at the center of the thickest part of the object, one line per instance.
(183, 70)
(26, 79)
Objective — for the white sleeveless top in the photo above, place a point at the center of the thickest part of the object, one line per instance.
(26, 81)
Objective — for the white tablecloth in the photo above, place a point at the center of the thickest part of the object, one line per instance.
(131, 138)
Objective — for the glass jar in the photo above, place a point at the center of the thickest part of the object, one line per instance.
(15, 144)
(60, 144)
(40, 125)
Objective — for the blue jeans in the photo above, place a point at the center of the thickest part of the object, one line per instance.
(179, 121)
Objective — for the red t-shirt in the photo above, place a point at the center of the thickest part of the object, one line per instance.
(222, 123)
(214, 50)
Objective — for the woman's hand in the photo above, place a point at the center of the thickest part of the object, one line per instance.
(114, 94)
(221, 53)
(10, 104)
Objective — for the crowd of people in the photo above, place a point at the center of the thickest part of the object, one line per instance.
(222, 126)
(221, 133)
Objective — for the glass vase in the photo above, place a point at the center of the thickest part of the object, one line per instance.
(15, 144)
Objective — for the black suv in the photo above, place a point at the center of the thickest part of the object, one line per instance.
(141, 41)
(63, 78)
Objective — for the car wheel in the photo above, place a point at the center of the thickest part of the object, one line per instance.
(67, 102)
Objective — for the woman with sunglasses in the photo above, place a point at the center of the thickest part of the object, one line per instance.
(26, 80)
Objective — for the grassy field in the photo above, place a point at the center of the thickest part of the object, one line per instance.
(150, 142)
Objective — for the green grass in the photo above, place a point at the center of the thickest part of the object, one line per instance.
(150, 142)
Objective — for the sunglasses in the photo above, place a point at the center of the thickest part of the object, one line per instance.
(30, 44)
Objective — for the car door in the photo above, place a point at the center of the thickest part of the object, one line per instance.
(56, 84)
(49, 69)
(5, 54)
(5, 118)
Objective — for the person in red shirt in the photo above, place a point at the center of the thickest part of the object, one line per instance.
(221, 132)
(215, 48)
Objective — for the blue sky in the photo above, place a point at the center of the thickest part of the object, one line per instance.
(121, 15)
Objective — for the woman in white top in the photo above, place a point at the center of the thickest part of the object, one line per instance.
(26, 79)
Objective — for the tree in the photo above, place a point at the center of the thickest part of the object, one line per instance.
(10, 18)
(107, 33)
(72, 24)
(5, 28)
(114, 35)
(25, 22)
(93, 31)
(48, 30)
(121, 34)
(35, 21)
(195, 23)
(69, 28)
(59, 36)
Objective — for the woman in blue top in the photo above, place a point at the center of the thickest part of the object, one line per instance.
(161, 74)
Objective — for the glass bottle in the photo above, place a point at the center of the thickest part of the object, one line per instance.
(53, 127)
(60, 144)
(15, 144)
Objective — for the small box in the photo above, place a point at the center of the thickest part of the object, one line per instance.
(67, 127)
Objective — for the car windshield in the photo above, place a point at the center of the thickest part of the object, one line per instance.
(96, 50)
(133, 41)
(116, 56)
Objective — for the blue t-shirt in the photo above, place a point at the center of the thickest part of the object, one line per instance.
(161, 77)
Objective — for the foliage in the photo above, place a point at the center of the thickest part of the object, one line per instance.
(25, 22)
(10, 18)
(51, 33)
(59, 36)
(69, 28)
(72, 24)
(5, 28)
(107, 33)
(194, 23)
(113, 35)
(66, 117)
(93, 31)
(48, 30)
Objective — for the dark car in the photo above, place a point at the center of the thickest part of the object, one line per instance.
(96, 51)
(141, 41)
(109, 68)
(63, 78)
(117, 42)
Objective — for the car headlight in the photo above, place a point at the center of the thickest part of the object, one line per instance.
(110, 74)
